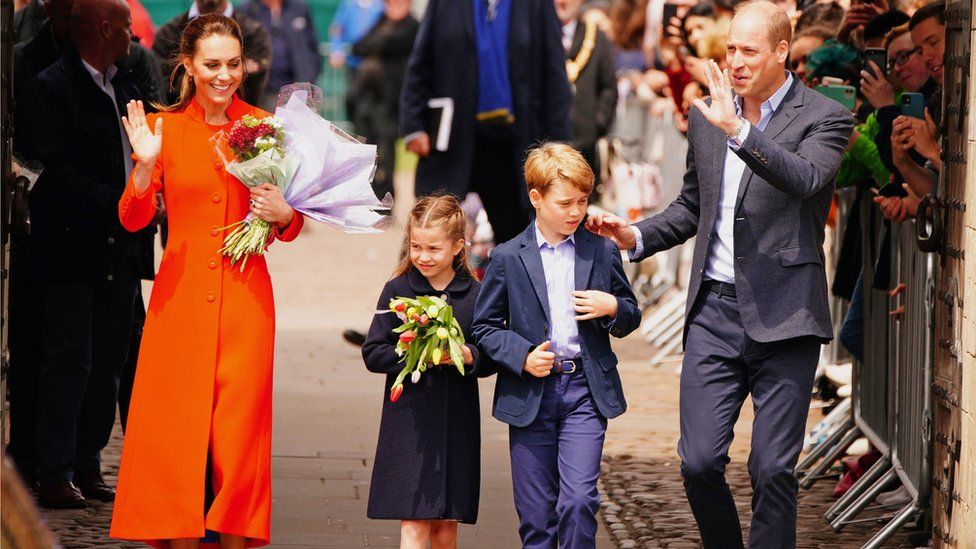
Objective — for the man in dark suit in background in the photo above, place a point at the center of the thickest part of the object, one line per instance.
(86, 264)
(760, 179)
(294, 45)
(40, 51)
(257, 47)
(502, 65)
(30, 58)
(29, 19)
(45, 47)
(591, 72)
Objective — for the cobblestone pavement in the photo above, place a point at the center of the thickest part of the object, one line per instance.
(641, 482)
(644, 506)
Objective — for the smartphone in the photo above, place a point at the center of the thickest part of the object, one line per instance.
(845, 95)
(880, 58)
(890, 190)
(913, 104)
(670, 11)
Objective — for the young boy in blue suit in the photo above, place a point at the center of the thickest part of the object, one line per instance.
(550, 299)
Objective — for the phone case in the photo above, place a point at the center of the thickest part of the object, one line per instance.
(845, 95)
(913, 104)
(880, 58)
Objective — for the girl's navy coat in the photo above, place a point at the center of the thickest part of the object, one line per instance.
(428, 458)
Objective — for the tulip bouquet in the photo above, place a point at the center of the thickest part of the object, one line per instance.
(429, 333)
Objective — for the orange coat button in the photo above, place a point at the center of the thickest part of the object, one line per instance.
(211, 298)
(216, 198)
(218, 166)
(214, 231)
(212, 264)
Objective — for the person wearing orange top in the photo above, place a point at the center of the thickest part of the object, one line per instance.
(196, 461)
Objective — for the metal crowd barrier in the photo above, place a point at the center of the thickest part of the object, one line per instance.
(912, 437)
(871, 413)
(892, 399)
(642, 137)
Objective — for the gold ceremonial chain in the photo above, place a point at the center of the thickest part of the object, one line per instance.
(575, 66)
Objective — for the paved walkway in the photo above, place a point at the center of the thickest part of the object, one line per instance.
(327, 411)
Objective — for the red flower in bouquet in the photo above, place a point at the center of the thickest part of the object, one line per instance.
(429, 333)
(253, 151)
(243, 139)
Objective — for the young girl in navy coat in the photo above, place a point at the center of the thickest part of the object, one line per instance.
(428, 458)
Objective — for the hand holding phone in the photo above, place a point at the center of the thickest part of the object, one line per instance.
(876, 88)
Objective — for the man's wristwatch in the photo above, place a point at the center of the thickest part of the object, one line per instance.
(739, 123)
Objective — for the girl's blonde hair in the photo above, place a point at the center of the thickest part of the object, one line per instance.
(443, 211)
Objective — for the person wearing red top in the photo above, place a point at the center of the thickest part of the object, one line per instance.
(142, 25)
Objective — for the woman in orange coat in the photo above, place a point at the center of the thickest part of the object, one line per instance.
(197, 455)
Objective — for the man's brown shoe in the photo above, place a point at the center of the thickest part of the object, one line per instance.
(93, 486)
(61, 495)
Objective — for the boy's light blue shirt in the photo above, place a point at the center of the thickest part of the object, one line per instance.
(559, 265)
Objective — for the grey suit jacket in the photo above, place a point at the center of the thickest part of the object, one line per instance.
(780, 213)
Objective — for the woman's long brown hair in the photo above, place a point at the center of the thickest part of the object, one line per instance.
(204, 26)
(443, 211)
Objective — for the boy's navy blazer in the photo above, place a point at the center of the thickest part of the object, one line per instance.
(512, 317)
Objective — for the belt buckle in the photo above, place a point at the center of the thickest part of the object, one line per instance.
(562, 366)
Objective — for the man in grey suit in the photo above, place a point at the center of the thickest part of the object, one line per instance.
(761, 166)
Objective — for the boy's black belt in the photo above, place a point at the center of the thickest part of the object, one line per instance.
(720, 288)
(567, 366)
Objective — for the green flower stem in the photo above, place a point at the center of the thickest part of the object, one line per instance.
(248, 238)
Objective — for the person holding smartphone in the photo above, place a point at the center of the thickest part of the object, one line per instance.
(909, 68)
(913, 130)
(882, 87)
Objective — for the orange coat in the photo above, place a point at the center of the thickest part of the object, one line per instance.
(204, 376)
